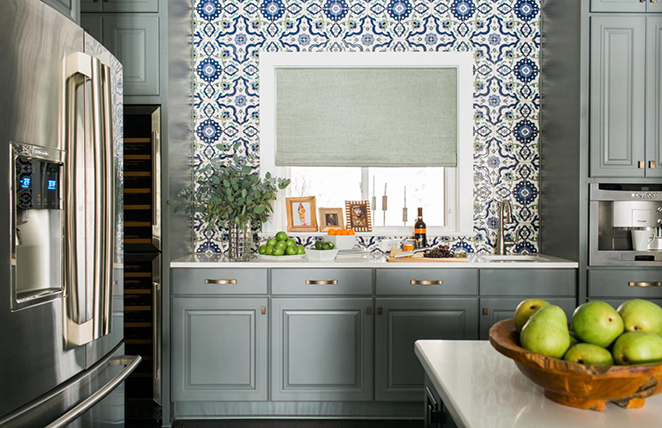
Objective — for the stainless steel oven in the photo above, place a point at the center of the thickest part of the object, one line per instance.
(625, 224)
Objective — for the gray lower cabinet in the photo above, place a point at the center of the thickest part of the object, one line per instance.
(219, 349)
(654, 94)
(618, 6)
(322, 349)
(495, 309)
(625, 283)
(129, 6)
(400, 322)
(618, 96)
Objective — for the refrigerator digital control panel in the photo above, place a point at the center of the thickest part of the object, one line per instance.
(38, 184)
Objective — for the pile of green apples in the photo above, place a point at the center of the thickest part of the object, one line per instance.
(281, 245)
(599, 336)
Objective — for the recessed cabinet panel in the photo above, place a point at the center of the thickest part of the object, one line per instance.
(400, 322)
(93, 25)
(654, 6)
(618, 6)
(618, 69)
(629, 283)
(91, 5)
(219, 349)
(134, 40)
(493, 310)
(322, 349)
(654, 96)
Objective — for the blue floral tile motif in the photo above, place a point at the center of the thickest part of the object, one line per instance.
(525, 192)
(525, 132)
(463, 9)
(335, 10)
(526, 10)
(209, 131)
(209, 9)
(526, 70)
(399, 9)
(209, 70)
(503, 36)
(272, 9)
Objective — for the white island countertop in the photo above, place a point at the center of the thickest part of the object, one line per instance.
(484, 389)
(218, 261)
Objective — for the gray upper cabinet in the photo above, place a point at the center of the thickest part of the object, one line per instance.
(654, 6)
(129, 6)
(400, 322)
(618, 98)
(322, 349)
(68, 8)
(219, 349)
(93, 25)
(654, 95)
(618, 6)
(134, 40)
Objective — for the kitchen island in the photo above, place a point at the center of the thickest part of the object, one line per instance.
(470, 385)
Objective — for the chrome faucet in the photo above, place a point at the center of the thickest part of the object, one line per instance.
(501, 243)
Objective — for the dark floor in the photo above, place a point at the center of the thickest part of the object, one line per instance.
(307, 423)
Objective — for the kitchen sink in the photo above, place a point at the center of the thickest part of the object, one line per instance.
(513, 258)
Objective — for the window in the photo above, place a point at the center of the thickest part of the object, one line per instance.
(445, 191)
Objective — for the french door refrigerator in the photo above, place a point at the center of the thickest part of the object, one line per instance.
(61, 262)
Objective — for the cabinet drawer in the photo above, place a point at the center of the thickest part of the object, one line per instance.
(427, 281)
(321, 281)
(646, 283)
(528, 282)
(219, 281)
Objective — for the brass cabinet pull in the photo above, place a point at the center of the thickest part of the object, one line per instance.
(486, 311)
(220, 281)
(651, 164)
(379, 310)
(322, 282)
(263, 310)
(644, 284)
(423, 282)
(642, 164)
(368, 310)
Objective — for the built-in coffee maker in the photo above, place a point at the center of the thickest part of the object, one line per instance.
(625, 224)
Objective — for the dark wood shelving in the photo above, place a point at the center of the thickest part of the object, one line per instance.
(137, 190)
(137, 173)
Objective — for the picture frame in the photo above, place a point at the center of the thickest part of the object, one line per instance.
(331, 218)
(301, 214)
(358, 215)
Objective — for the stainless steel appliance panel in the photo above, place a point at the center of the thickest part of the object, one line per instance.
(34, 40)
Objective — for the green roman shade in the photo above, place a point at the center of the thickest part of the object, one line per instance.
(366, 116)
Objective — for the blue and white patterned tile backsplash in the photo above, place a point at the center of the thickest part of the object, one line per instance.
(504, 36)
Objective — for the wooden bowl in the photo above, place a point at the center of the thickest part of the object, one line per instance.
(577, 385)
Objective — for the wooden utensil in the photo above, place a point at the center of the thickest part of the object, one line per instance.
(578, 385)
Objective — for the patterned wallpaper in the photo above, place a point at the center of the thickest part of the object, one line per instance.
(504, 36)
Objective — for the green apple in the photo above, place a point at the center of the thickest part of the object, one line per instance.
(300, 249)
(291, 250)
(546, 332)
(279, 251)
(597, 323)
(291, 242)
(638, 347)
(281, 236)
(319, 244)
(281, 244)
(641, 315)
(525, 309)
(262, 249)
(573, 339)
(269, 251)
(589, 354)
(272, 242)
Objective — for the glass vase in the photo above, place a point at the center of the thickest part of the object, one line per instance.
(241, 242)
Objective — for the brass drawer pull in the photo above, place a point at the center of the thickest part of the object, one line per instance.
(422, 282)
(641, 164)
(220, 281)
(644, 284)
(651, 164)
(263, 310)
(321, 282)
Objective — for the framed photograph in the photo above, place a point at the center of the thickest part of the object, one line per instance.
(331, 218)
(301, 214)
(358, 215)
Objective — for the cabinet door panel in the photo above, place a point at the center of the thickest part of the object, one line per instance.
(497, 309)
(618, 6)
(654, 6)
(93, 25)
(91, 5)
(134, 40)
(65, 7)
(616, 283)
(322, 350)
(219, 349)
(617, 96)
(131, 6)
(400, 323)
(654, 96)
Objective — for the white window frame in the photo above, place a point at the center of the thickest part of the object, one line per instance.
(458, 181)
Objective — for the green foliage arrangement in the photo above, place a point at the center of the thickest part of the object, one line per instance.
(231, 192)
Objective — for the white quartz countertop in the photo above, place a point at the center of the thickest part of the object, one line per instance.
(482, 388)
(217, 261)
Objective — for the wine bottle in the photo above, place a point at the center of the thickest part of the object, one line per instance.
(420, 230)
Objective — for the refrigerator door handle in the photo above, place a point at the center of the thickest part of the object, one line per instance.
(131, 362)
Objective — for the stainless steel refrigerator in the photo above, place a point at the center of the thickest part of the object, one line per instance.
(61, 262)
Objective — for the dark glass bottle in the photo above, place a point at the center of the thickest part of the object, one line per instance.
(420, 230)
